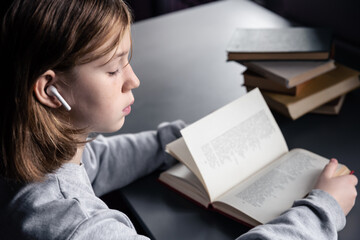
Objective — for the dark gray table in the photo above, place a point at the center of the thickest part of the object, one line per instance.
(180, 59)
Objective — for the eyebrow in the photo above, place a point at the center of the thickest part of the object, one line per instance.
(114, 57)
(121, 54)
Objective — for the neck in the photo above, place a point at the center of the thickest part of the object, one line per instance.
(78, 155)
(79, 152)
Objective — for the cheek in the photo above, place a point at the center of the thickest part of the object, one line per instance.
(98, 103)
(106, 104)
(99, 92)
(111, 98)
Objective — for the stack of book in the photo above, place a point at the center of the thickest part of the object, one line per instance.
(293, 69)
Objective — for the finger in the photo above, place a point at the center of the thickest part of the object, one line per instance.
(349, 179)
(354, 180)
(330, 168)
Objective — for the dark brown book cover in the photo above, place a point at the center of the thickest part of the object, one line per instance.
(253, 80)
(290, 73)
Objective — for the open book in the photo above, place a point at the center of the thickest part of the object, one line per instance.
(236, 161)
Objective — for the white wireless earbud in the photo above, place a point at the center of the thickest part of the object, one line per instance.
(52, 91)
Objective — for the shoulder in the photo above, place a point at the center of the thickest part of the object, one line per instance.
(63, 206)
(52, 208)
(41, 210)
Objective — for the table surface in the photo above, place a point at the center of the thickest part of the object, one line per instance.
(180, 59)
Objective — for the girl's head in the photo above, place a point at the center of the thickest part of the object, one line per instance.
(79, 46)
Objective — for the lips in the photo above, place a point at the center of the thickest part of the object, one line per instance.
(127, 110)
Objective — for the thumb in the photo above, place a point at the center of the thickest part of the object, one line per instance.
(330, 168)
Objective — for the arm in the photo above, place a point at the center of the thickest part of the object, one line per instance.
(319, 216)
(106, 225)
(115, 161)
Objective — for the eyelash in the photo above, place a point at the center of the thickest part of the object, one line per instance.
(113, 73)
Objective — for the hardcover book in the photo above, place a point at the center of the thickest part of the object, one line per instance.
(290, 73)
(319, 91)
(236, 161)
(253, 80)
(331, 108)
(292, 43)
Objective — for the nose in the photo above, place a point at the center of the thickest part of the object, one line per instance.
(131, 81)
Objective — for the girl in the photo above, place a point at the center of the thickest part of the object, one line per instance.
(65, 75)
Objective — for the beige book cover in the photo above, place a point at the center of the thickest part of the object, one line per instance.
(319, 91)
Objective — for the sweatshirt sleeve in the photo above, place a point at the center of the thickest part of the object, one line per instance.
(317, 217)
(113, 162)
(106, 225)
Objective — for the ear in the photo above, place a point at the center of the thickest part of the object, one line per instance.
(40, 86)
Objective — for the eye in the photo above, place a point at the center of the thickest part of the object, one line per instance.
(113, 73)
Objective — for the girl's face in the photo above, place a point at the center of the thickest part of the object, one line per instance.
(101, 93)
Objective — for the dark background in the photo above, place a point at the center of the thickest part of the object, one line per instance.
(143, 9)
(342, 16)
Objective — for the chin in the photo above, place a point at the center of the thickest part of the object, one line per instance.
(117, 126)
(110, 127)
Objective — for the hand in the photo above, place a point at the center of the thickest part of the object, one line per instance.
(342, 188)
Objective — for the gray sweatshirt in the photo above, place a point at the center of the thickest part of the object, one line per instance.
(65, 205)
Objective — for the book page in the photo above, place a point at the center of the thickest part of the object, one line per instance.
(181, 179)
(273, 190)
(179, 150)
(234, 142)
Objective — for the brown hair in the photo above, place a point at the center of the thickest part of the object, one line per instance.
(36, 36)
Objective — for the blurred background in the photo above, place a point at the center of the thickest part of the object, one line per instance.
(342, 16)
